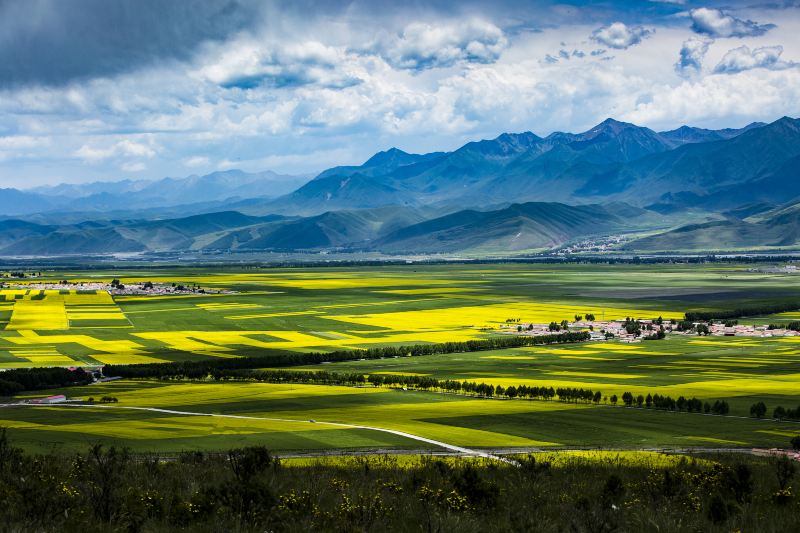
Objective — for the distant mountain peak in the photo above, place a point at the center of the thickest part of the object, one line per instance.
(525, 136)
(391, 155)
(785, 121)
(611, 126)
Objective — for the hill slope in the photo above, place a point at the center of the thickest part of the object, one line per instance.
(534, 225)
(779, 228)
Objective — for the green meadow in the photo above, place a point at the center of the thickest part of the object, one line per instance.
(273, 311)
(455, 420)
(343, 308)
(740, 370)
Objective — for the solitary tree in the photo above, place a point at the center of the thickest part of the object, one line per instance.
(758, 409)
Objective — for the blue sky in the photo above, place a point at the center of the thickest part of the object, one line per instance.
(96, 90)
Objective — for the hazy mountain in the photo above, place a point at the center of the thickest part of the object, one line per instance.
(217, 187)
(15, 203)
(25, 238)
(615, 177)
(227, 230)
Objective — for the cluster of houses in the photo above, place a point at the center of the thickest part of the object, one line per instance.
(604, 329)
(750, 331)
(118, 289)
(599, 245)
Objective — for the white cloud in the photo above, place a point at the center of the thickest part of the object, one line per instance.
(196, 161)
(716, 23)
(726, 99)
(303, 96)
(23, 142)
(249, 62)
(133, 166)
(743, 58)
(620, 36)
(423, 45)
(124, 148)
(691, 57)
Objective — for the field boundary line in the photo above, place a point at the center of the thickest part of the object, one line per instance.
(452, 447)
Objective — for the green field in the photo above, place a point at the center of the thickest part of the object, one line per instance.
(741, 370)
(322, 309)
(335, 308)
(455, 420)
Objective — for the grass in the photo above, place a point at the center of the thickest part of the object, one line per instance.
(737, 370)
(275, 310)
(341, 308)
(455, 420)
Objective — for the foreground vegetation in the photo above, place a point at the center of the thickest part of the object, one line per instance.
(250, 490)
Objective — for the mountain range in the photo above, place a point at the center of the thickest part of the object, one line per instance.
(686, 189)
(192, 193)
(613, 161)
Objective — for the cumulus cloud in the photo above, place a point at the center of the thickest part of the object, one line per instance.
(124, 148)
(134, 166)
(716, 23)
(423, 46)
(196, 161)
(743, 58)
(23, 142)
(742, 97)
(620, 36)
(248, 63)
(691, 57)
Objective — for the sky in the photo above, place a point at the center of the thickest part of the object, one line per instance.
(98, 90)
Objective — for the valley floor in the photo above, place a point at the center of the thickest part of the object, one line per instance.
(270, 312)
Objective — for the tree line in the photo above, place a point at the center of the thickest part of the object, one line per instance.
(759, 410)
(18, 380)
(486, 390)
(793, 325)
(200, 369)
(755, 310)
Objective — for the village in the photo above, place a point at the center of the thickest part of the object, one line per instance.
(634, 331)
(116, 288)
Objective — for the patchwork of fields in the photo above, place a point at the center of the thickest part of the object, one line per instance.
(340, 308)
(273, 311)
(739, 370)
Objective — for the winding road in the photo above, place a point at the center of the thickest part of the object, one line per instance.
(451, 447)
